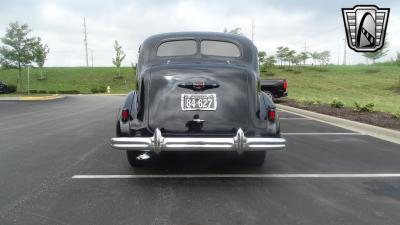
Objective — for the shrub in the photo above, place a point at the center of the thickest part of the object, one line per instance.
(305, 102)
(68, 92)
(42, 92)
(396, 115)
(336, 103)
(71, 92)
(33, 91)
(102, 89)
(75, 92)
(11, 88)
(52, 92)
(369, 107)
(316, 102)
(94, 90)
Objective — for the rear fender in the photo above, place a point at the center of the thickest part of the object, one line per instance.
(129, 103)
(266, 103)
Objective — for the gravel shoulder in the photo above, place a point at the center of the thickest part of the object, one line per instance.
(380, 119)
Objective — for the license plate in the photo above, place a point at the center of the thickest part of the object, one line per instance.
(199, 102)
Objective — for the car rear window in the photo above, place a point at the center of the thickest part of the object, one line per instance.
(220, 48)
(177, 48)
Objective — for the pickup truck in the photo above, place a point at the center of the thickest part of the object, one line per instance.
(274, 88)
(3, 87)
(197, 91)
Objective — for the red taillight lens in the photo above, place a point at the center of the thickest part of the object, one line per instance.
(271, 115)
(124, 115)
(284, 85)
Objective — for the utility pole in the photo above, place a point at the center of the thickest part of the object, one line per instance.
(344, 51)
(85, 41)
(305, 51)
(252, 29)
(91, 51)
(338, 53)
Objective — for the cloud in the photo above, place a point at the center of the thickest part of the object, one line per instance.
(316, 25)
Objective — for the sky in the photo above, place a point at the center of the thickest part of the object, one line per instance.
(300, 25)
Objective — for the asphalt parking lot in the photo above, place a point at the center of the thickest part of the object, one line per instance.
(55, 167)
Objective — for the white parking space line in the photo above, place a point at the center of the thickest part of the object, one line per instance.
(299, 175)
(294, 118)
(314, 133)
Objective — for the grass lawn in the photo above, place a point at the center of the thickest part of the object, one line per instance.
(312, 84)
(347, 83)
(74, 78)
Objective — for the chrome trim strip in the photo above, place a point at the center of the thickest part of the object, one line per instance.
(158, 143)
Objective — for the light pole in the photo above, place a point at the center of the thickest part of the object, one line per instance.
(28, 81)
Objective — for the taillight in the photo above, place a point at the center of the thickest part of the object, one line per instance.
(271, 115)
(124, 115)
(284, 85)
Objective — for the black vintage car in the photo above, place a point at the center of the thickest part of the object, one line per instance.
(197, 91)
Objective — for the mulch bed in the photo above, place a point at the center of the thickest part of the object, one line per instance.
(380, 119)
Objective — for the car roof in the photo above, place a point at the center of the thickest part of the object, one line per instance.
(149, 46)
(200, 35)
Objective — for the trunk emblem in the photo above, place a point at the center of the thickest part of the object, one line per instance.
(199, 85)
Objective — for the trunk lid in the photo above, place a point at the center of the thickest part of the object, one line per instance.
(170, 84)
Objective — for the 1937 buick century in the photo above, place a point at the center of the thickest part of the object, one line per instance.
(197, 91)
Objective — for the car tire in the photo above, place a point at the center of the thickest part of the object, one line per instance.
(254, 158)
(133, 161)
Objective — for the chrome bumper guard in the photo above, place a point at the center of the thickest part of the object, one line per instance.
(158, 143)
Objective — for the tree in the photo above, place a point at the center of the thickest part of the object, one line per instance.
(270, 61)
(17, 49)
(261, 57)
(378, 54)
(40, 53)
(324, 57)
(304, 56)
(119, 57)
(314, 56)
(236, 30)
(296, 59)
(281, 53)
(397, 58)
(290, 56)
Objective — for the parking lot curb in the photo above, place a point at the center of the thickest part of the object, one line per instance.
(374, 131)
(112, 94)
(104, 94)
(32, 98)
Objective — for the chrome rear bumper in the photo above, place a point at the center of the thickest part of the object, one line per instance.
(158, 143)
